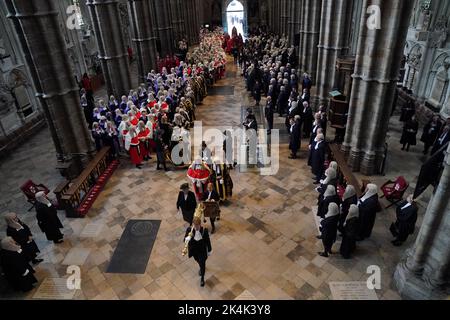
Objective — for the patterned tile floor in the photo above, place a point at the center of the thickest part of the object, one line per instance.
(265, 245)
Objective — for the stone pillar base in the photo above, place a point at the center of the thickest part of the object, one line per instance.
(354, 160)
(412, 286)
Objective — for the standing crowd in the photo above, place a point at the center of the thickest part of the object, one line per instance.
(269, 67)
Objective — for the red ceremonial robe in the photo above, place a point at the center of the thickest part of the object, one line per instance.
(135, 151)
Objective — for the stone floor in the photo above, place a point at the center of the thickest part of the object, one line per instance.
(265, 246)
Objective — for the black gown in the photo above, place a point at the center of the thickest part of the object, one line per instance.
(323, 186)
(430, 134)
(367, 215)
(187, 206)
(324, 202)
(295, 139)
(409, 132)
(14, 265)
(406, 221)
(349, 235)
(30, 249)
(345, 209)
(328, 228)
(317, 159)
(199, 249)
(48, 221)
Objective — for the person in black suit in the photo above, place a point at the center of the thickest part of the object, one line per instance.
(329, 196)
(406, 221)
(308, 119)
(328, 228)
(368, 208)
(410, 130)
(305, 96)
(317, 157)
(269, 112)
(294, 137)
(316, 129)
(306, 83)
(211, 195)
(282, 101)
(430, 133)
(293, 111)
(250, 122)
(442, 140)
(21, 234)
(350, 229)
(257, 92)
(186, 203)
(199, 246)
(15, 266)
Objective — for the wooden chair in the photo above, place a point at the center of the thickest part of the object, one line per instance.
(394, 191)
(30, 189)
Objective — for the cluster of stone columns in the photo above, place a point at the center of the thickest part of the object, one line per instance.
(144, 37)
(178, 19)
(164, 27)
(425, 271)
(285, 17)
(37, 27)
(310, 12)
(192, 20)
(334, 33)
(111, 45)
(294, 20)
(378, 59)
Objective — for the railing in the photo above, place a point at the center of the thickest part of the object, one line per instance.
(72, 196)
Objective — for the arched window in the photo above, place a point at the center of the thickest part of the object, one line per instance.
(235, 18)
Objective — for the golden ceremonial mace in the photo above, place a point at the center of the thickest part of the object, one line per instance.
(198, 214)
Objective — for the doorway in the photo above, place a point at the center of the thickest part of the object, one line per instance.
(235, 18)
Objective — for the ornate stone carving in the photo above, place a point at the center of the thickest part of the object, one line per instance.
(123, 11)
(441, 31)
(414, 58)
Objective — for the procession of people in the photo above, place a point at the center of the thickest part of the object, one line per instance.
(155, 119)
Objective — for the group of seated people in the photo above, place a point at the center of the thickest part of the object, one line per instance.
(341, 210)
(158, 115)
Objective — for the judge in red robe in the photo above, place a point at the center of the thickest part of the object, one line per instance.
(144, 138)
(132, 145)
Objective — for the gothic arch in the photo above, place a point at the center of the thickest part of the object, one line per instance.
(225, 5)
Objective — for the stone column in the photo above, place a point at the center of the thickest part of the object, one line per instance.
(276, 16)
(111, 45)
(285, 17)
(375, 79)
(335, 21)
(294, 20)
(143, 36)
(425, 271)
(164, 27)
(177, 19)
(189, 21)
(309, 36)
(196, 21)
(37, 27)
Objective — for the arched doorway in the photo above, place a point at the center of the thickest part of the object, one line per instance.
(235, 18)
